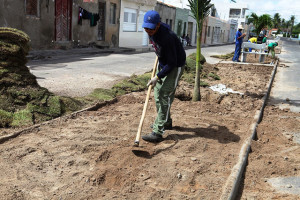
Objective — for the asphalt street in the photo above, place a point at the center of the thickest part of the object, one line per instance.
(67, 74)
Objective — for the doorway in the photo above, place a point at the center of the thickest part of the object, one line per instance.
(63, 13)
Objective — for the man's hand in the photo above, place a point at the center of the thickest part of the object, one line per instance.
(153, 81)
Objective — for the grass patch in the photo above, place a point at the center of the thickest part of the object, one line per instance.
(103, 94)
(22, 118)
(226, 56)
(5, 118)
(132, 84)
(214, 76)
(205, 71)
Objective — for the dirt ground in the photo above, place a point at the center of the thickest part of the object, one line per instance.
(274, 154)
(90, 155)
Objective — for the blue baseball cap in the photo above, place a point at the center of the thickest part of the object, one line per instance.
(151, 19)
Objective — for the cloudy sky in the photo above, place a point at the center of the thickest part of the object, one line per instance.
(285, 8)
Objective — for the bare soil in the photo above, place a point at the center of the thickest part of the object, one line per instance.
(274, 154)
(90, 155)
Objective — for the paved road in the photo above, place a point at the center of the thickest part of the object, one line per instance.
(80, 74)
(286, 90)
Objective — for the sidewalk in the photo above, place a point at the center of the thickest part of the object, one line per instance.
(51, 53)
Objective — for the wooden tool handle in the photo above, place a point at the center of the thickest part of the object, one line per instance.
(138, 135)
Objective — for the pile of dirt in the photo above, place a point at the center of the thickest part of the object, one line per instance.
(22, 100)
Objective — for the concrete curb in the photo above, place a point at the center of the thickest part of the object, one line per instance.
(232, 184)
(72, 115)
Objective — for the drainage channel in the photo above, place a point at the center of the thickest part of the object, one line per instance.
(232, 184)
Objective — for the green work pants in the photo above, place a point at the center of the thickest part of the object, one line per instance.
(164, 92)
(272, 51)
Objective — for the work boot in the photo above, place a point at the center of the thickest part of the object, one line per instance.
(153, 137)
(166, 127)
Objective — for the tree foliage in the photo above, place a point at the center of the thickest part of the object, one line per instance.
(292, 19)
(260, 22)
(276, 20)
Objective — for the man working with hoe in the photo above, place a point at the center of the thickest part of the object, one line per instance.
(171, 56)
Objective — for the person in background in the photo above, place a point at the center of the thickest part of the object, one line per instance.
(260, 38)
(271, 47)
(264, 40)
(183, 40)
(239, 36)
(252, 40)
(188, 41)
(172, 57)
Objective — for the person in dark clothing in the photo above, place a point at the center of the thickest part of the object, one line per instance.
(188, 41)
(238, 44)
(172, 57)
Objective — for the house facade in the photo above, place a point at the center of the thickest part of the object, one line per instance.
(64, 22)
(131, 19)
(181, 21)
(167, 13)
(110, 23)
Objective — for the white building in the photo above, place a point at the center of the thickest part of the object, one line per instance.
(132, 13)
(232, 11)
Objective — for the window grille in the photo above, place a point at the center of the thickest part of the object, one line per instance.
(31, 7)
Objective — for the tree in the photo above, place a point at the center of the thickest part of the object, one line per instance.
(287, 25)
(292, 19)
(200, 9)
(276, 20)
(260, 22)
(283, 24)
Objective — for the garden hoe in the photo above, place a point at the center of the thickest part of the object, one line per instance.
(138, 135)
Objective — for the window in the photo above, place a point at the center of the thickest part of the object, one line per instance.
(126, 17)
(112, 16)
(32, 7)
(167, 21)
(208, 31)
(130, 18)
(171, 22)
(141, 20)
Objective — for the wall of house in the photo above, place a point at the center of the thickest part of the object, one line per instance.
(86, 34)
(181, 18)
(167, 14)
(192, 30)
(112, 33)
(218, 31)
(40, 29)
(138, 36)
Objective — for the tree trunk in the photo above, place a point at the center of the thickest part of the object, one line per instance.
(197, 95)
